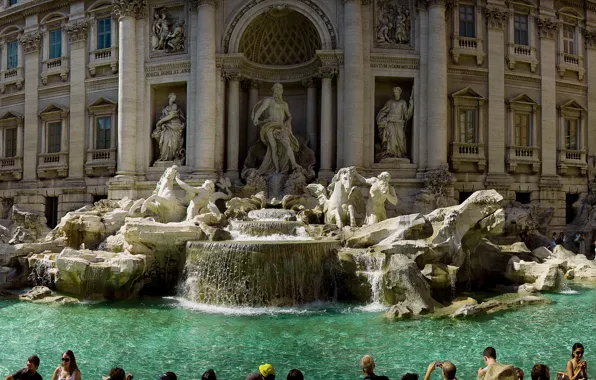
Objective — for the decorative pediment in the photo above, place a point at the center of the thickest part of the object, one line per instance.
(467, 95)
(53, 111)
(102, 105)
(521, 102)
(572, 105)
(10, 30)
(11, 119)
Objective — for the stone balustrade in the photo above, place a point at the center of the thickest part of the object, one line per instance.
(51, 165)
(470, 46)
(54, 66)
(100, 162)
(571, 160)
(523, 155)
(571, 62)
(522, 53)
(102, 58)
(11, 168)
(470, 153)
(11, 76)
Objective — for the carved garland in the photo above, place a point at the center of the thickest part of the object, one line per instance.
(496, 18)
(129, 8)
(77, 31)
(31, 42)
(547, 27)
(253, 3)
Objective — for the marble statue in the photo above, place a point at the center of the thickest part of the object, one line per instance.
(201, 200)
(379, 192)
(341, 205)
(163, 202)
(392, 121)
(162, 39)
(169, 132)
(272, 115)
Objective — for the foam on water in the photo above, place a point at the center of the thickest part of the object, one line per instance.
(301, 234)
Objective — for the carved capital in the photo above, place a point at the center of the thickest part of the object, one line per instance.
(436, 3)
(327, 72)
(547, 27)
(231, 76)
(197, 3)
(129, 8)
(496, 18)
(77, 31)
(590, 36)
(31, 42)
(422, 4)
(309, 82)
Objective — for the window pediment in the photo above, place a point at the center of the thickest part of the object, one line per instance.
(53, 112)
(523, 102)
(522, 6)
(467, 96)
(569, 16)
(10, 32)
(11, 119)
(571, 108)
(102, 105)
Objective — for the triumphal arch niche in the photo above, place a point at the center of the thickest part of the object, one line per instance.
(279, 66)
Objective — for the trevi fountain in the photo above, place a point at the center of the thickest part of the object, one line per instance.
(291, 269)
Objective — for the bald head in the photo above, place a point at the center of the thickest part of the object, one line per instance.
(449, 370)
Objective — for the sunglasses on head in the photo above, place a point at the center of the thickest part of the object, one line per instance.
(65, 359)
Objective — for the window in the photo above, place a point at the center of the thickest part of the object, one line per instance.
(12, 2)
(51, 211)
(103, 131)
(523, 197)
(467, 126)
(467, 27)
(522, 129)
(10, 142)
(55, 44)
(13, 55)
(54, 137)
(104, 33)
(520, 29)
(569, 39)
(571, 134)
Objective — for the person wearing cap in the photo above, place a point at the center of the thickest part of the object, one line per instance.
(367, 365)
(266, 372)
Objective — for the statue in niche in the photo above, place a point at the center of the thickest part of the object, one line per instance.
(392, 121)
(272, 115)
(161, 37)
(169, 132)
(379, 192)
(393, 23)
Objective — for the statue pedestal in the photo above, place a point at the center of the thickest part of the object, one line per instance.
(397, 167)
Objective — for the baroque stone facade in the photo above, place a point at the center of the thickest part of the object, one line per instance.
(84, 83)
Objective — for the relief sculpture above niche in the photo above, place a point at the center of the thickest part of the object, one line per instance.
(393, 24)
(168, 30)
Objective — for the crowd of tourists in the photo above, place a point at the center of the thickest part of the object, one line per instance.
(577, 369)
(577, 244)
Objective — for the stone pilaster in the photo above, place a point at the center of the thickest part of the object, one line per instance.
(77, 35)
(353, 84)
(31, 44)
(437, 76)
(206, 104)
(220, 127)
(233, 135)
(496, 20)
(590, 38)
(422, 88)
(311, 112)
(547, 28)
(127, 12)
(326, 155)
(252, 132)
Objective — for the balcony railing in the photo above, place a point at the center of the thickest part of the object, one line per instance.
(11, 168)
(523, 155)
(572, 158)
(55, 66)
(101, 162)
(522, 53)
(571, 62)
(52, 164)
(469, 46)
(468, 152)
(103, 57)
(11, 76)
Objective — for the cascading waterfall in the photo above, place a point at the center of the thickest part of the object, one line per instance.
(41, 273)
(266, 228)
(563, 284)
(372, 266)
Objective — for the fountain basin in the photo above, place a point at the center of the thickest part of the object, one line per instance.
(266, 228)
(260, 273)
(272, 214)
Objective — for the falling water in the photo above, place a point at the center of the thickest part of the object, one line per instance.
(372, 268)
(453, 281)
(266, 228)
(563, 284)
(41, 273)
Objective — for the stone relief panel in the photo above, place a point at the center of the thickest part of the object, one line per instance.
(168, 32)
(394, 110)
(394, 22)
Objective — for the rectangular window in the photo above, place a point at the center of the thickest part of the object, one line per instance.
(10, 142)
(467, 126)
(12, 50)
(55, 43)
(571, 134)
(12, 2)
(520, 29)
(104, 33)
(103, 133)
(54, 137)
(467, 25)
(522, 129)
(569, 39)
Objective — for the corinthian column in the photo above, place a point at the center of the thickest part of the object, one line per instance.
(437, 77)
(326, 151)
(353, 121)
(30, 43)
(252, 131)
(127, 11)
(496, 20)
(233, 135)
(311, 113)
(206, 106)
(590, 35)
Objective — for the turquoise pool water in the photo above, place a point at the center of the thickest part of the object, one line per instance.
(326, 342)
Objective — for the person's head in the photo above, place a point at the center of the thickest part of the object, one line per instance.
(448, 370)
(33, 363)
(278, 90)
(209, 375)
(295, 374)
(367, 364)
(168, 376)
(577, 351)
(397, 92)
(117, 374)
(490, 355)
(519, 373)
(540, 372)
(267, 371)
(554, 234)
(410, 376)
(69, 361)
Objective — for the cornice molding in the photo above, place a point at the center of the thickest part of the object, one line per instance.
(394, 62)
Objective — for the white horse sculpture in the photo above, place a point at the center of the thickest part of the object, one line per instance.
(340, 207)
